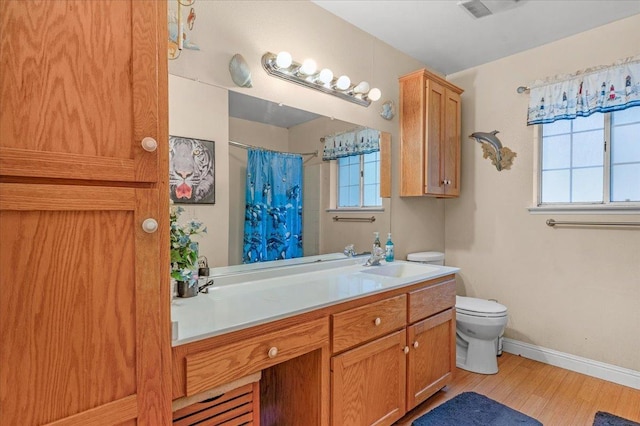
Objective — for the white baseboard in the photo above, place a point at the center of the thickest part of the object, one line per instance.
(609, 372)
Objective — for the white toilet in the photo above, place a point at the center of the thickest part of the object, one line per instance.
(479, 325)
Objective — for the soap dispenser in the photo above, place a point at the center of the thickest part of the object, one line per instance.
(376, 242)
(389, 249)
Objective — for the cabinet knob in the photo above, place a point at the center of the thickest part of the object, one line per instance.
(416, 344)
(273, 352)
(150, 225)
(377, 321)
(406, 349)
(149, 144)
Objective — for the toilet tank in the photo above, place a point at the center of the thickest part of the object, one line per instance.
(431, 257)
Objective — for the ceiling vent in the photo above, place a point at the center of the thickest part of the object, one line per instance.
(480, 9)
(476, 8)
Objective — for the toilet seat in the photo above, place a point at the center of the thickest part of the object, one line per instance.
(479, 307)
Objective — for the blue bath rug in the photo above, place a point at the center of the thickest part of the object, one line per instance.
(472, 409)
(607, 419)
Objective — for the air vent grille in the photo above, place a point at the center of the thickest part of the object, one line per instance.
(476, 8)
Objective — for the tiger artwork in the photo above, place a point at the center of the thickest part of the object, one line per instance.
(191, 170)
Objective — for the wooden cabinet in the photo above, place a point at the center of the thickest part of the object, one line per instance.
(368, 382)
(429, 136)
(84, 306)
(431, 339)
(378, 381)
(431, 359)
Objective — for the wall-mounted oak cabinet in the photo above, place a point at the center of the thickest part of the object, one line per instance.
(429, 136)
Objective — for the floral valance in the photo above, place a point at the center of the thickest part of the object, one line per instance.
(356, 142)
(601, 89)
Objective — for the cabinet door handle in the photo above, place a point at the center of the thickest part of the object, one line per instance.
(377, 321)
(406, 349)
(416, 344)
(273, 352)
(149, 144)
(150, 225)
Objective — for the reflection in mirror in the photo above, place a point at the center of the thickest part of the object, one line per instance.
(268, 125)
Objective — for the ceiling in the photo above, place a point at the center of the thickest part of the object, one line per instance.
(447, 38)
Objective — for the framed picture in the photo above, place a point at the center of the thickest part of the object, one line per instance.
(192, 170)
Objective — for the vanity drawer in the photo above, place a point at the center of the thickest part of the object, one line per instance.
(367, 322)
(215, 367)
(431, 300)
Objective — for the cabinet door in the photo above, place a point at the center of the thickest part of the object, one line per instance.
(451, 146)
(83, 338)
(432, 352)
(79, 88)
(434, 153)
(368, 383)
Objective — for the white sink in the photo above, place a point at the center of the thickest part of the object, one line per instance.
(400, 270)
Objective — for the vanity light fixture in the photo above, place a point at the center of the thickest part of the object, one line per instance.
(306, 74)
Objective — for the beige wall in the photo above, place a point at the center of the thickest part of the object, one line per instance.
(201, 111)
(575, 290)
(252, 28)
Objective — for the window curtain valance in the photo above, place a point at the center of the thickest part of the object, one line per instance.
(356, 142)
(601, 89)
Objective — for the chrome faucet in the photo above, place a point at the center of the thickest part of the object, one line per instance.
(349, 250)
(377, 255)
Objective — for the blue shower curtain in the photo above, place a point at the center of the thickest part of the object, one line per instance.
(273, 215)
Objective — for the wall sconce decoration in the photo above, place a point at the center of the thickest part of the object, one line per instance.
(240, 71)
(306, 74)
(501, 157)
(388, 110)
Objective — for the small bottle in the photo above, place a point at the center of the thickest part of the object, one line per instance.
(376, 242)
(389, 249)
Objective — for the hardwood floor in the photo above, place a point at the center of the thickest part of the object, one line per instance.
(550, 394)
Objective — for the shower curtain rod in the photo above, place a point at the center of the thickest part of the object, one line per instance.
(245, 146)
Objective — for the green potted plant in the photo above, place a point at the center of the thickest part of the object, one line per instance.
(184, 252)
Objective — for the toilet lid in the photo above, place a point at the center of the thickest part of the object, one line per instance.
(481, 307)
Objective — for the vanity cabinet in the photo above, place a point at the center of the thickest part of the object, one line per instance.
(377, 382)
(429, 136)
(84, 306)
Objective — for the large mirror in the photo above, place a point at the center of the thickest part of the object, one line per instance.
(264, 124)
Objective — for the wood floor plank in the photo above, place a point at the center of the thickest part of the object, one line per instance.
(555, 396)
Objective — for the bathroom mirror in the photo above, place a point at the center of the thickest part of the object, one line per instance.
(265, 124)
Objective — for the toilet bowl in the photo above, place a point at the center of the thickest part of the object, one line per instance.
(480, 324)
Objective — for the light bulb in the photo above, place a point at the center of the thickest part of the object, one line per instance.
(362, 87)
(308, 67)
(374, 94)
(326, 75)
(284, 60)
(343, 82)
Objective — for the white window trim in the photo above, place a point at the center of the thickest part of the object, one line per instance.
(333, 193)
(574, 208)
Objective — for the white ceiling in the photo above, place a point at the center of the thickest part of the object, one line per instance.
(444, 35)
(254, 109)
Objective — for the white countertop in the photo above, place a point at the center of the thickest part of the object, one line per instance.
(246, 299)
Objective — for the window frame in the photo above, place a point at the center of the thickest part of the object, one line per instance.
(605, 207)
(361, 184)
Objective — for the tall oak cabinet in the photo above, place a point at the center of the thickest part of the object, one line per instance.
(84, 293)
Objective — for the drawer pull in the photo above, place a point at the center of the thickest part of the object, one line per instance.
(416, 344)
(406, 349)
(273, 352)
(377, 321)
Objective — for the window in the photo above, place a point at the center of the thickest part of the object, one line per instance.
(591, 160)
(359, 181)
